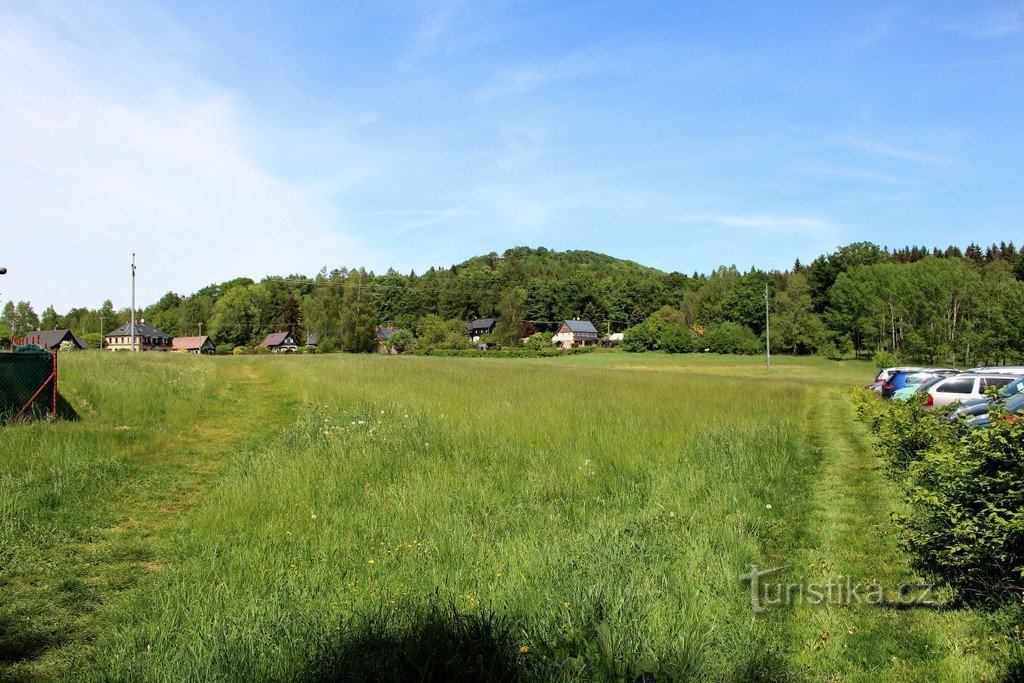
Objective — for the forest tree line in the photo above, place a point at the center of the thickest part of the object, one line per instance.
(964, 306)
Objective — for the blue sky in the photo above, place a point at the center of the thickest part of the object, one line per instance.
(248, 138)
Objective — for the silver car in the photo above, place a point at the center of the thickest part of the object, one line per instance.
(965, 386)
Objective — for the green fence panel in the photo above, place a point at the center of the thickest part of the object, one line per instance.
(22, 373)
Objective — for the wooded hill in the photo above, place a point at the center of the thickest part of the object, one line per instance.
(929, 304)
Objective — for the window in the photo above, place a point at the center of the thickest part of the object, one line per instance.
(957, 385)
(994, 382)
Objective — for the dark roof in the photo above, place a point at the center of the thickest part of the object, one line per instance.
(313, 339)
(142, 329)
(50, 339)
(384, 333)
(581, 326)
(189, 343)
(276, 339)
(481, 325)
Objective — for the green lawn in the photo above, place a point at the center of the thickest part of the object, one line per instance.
(332, 516)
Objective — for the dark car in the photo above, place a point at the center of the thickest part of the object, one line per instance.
(1013, 407)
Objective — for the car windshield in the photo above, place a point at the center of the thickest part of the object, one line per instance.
(1013, 388)
(927, 384)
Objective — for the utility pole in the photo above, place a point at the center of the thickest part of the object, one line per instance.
(101, 333)
(200, 329)
(767, 330)
(133, 302)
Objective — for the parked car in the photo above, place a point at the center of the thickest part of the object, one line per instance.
(965, 386)
(903, 379)
(885, 373)
(1013, 406)
(905, 393)
(980, 406)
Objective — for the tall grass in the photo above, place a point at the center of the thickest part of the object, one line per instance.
(457, 519)
(317, 517)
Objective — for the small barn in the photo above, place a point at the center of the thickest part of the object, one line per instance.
(575, 332)
(313, 340)
(52, 339)
(480, 327)
(198, 345)
(280, 342)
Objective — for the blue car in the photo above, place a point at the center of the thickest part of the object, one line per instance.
(1014, 406)
(904, 379)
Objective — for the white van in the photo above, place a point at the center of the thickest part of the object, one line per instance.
(966, 385)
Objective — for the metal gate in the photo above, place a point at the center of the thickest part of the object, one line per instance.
(28, 383)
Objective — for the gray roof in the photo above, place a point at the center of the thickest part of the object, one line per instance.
(142, 329)
(313, 339)
(581, 326)
(277, 339)
(481, 324)
(50, 339)
(384, 333)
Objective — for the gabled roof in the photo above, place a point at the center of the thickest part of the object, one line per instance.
(313, 339)
(50, 339)
(481, 324)
(142, 329)
(384, 333)
(276, 339)
(189, 343)
(581, 326)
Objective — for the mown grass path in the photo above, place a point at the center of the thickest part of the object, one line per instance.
(851, 535)
(64, 584)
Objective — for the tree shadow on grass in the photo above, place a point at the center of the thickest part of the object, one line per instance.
(20, 640)
(439, 644)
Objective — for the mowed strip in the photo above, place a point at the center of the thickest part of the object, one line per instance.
(853, 544)
(84, 518)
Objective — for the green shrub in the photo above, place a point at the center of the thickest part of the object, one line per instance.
(639, 338)
(907, 430)
(732, 338)
(400, 340)
(538, 341)
(965, 492)
(884, 359)
(966, 525)
(678, 338)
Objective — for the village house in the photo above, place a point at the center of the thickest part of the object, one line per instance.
(52, 339)
(313, 340)
(575, 332)
(280, 342)
(200, 345)
(480, 327)
(147, 338)
(384, 344)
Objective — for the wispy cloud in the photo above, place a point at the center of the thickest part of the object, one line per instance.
(893, 151)
(93, 167)
(775, 224)
(857, 174)
(991, 22)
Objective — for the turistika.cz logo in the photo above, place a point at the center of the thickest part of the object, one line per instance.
(837, 590)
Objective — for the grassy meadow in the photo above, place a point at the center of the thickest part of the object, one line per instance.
(331, 517)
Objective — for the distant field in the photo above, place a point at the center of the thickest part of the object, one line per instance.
(325, 516)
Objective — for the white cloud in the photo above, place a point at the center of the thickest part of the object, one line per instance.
(106, 149)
